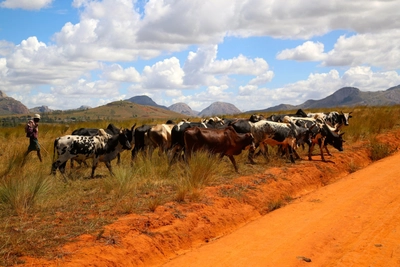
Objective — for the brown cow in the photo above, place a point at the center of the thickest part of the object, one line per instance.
(225, 142)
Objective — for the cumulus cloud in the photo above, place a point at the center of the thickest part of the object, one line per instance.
(26, 4)
(116, 73)
(374, 49)
(163, 74)
(202, 68)
(308, 51)
(6, 47)
(83, 92)
(34, 63)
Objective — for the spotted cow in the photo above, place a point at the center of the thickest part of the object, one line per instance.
(102, 147)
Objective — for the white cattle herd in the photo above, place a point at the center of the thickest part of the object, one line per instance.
(225, 137)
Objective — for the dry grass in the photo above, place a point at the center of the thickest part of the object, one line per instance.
(39, 212)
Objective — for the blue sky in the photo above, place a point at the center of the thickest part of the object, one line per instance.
(254, 54)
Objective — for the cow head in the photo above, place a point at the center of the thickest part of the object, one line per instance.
(334, 139)
(124, 140)
(256, 118)
(345, 117)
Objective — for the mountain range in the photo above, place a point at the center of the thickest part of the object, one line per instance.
(344, 97)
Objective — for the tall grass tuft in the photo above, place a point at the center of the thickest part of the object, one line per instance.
(21, 193)
(123, 183)
(379, 150)
(200, 171)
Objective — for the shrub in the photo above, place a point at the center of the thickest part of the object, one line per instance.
(379, 150)
(21, 193)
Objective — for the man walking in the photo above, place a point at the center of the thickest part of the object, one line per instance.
(32, 130)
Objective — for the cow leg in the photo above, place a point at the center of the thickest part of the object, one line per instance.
(134, 153)
(72, 163)
(290, 148)
(187, 155)
(320, 143)
(233, 162)
(118, 158)
(175, 150)
(58, 165)
(251, 154)
(94, 166)
(264, 150)
(296, 154)
(310, 149)
(108, 164)
(54, 167)
(327, 151)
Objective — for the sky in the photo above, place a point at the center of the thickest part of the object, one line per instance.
(254, 54)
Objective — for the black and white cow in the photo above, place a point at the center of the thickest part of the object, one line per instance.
(333, 118)
(102, 147)
(111, 130)
(338, 119)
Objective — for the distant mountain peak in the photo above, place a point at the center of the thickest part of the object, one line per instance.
(183, 109)
(220, 108)
(145, 100)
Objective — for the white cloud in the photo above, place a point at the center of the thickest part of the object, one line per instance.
(34, 63)
(308, 51)
(116, 73)
(6, 47)
(247, 90)
(374, 49)
(364, 78)
(74, 95)
(26, 4)
(164, 74)
(202, 68)
(238, 65)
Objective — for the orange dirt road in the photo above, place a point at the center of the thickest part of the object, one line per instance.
(352, 222)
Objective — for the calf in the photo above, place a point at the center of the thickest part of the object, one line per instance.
(225, 142)
(101, 147)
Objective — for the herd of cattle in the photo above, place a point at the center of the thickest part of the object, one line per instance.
(225, 137)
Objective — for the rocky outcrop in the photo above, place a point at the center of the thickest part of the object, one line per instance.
(9, 106)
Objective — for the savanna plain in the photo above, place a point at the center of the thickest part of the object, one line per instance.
(150, 212)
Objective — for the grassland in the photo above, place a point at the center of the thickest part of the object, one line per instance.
(39, 212)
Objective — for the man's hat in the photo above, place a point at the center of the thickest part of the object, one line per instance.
(36, 116)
